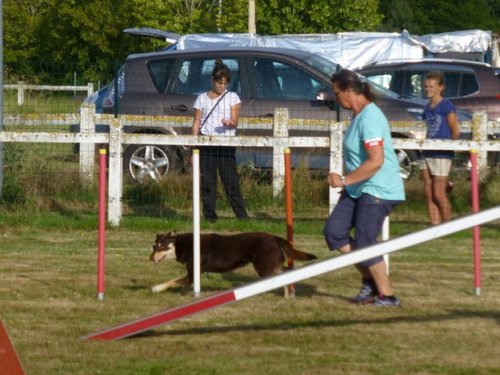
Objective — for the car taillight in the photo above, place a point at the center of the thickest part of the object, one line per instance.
(109, 99)
(108, 102)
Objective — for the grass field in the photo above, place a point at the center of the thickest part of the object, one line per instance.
(48, 282)
(48, 303)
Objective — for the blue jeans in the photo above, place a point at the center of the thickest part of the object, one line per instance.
(365, 215)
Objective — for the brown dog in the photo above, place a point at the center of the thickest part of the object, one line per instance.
(224, 253)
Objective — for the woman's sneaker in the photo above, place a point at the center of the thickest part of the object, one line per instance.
(382, 300)
(366, 294)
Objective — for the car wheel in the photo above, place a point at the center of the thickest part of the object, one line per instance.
(148, 162)
(408, 160)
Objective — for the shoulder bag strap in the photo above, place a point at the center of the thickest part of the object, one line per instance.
(216, 104)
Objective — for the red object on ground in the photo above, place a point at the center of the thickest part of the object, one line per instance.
(9, 361)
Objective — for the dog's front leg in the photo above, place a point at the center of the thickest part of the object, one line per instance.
(181, 281)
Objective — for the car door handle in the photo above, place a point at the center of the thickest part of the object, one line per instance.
(180, 107)
(267, 115)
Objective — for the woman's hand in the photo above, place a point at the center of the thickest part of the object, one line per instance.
(230, 123)
(335, 180)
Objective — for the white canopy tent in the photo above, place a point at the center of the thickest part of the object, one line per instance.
(354, 49)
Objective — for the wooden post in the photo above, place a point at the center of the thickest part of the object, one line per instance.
(20, 93)
(115, 172)
(480, 134)
(87, 150)
(280, 130)
(335, 160)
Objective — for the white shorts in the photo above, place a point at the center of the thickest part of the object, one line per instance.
(436, 166)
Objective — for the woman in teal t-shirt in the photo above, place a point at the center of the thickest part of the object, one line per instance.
(371, 184)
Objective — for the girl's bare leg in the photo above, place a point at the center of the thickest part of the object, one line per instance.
(432, 207)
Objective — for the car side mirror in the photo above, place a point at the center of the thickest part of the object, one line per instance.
(325, 96)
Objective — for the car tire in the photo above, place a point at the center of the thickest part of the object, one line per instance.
(408, 163)
(149, 162)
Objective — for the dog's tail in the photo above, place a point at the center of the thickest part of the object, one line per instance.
(292, 252)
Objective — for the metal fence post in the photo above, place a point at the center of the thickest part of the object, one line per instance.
(280, 130)
(87, 150)
(115, 171)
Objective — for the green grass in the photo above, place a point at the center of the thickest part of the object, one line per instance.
(48, 239)
(48, 303)
(43, 102)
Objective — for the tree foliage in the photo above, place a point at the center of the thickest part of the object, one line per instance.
(436, 16)
(316, 16)
(87, 35)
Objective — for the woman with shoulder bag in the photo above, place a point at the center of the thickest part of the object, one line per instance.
(216, 113)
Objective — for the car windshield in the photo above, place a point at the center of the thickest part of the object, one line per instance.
(327, 67)
(381, 90)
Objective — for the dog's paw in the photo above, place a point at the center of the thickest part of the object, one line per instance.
(156, 289)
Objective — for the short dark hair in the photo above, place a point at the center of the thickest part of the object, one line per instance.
(221, 71)
(347, 79)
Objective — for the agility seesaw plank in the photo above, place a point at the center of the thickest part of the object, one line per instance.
(9, 361)
(314, 269)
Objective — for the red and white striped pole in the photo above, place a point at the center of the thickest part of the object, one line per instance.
(101, 242)
(476, 235)
(311, 270)
(289, 211)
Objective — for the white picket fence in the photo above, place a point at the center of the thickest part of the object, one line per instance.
(117, 138)
(22, 87)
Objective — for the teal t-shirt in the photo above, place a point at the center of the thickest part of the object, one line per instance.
(371, 125)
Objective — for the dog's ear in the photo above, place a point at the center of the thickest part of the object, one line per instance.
(172, 233)
(157, 240)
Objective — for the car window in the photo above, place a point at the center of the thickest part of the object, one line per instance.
(278, 80)
(160, 71)
(410, 82)
(468, 84)
(382, 79)
(194, 76)
(391, 80)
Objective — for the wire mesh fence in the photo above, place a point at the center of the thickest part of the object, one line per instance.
(48, 176)
(156, 175)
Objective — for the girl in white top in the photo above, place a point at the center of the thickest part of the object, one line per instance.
(217, 112)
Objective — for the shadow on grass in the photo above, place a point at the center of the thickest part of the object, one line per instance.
(286, 326)
(213, 285)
